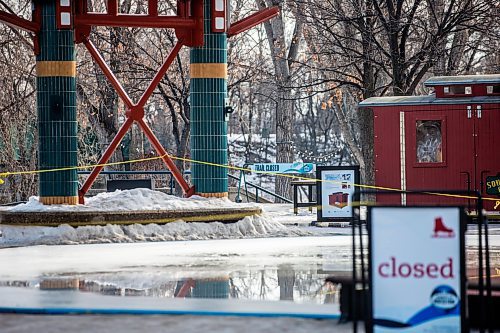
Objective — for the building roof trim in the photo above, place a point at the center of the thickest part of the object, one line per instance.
(426, 100)
(462, 79)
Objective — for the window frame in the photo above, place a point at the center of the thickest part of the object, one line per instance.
(451, 94)
(413, 140)
(493, 93)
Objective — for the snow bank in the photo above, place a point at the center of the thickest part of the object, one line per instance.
(141, 199)
(249, 227)
(136, 199)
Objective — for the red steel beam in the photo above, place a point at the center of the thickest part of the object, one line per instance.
(153, 7)
(160, 74)
(112, 7)
(134, 21)
(168, 161)
(108, 73)
(18, 22)
(135, 113)
(252, 20)
(104, 159)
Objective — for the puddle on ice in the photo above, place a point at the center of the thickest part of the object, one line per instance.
(273, 269)
(291, 269)
(284, 282)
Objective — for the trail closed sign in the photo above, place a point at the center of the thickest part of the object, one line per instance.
(417, 269)
(293, 168)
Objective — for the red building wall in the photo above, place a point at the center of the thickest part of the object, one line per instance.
(469, 150)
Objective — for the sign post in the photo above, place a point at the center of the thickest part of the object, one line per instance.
(335, 189)
(417, 276)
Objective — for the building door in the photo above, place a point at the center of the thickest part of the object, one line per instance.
(439, 153)
(486, 148)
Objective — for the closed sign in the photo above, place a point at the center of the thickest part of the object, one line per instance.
(416, 264)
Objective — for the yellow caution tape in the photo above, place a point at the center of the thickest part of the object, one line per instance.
(231, 167)
(1, 181)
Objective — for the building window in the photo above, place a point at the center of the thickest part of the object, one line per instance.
(493, 90)
(458, 90)
(429, 141)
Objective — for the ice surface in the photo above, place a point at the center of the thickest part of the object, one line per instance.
(254, 266)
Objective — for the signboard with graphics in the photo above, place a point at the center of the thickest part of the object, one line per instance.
(336, 187)
(417, 269)
(493, 185)
(294, 168)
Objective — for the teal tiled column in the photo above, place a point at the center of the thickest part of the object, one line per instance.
(56, 103)
(208, 125)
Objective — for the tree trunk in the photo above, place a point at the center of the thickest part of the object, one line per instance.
(283, 57)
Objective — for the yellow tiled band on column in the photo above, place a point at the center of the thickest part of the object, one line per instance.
(56, 68)
(60, 284)
(213, 195)
(208, 71)
(59, 200)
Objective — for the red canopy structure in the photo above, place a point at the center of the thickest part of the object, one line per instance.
(189, 28)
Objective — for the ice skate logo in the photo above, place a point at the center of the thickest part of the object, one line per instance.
(441, 230)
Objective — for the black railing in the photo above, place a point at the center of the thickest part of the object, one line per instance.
(188, 172)
(155, 172)
(260, 188)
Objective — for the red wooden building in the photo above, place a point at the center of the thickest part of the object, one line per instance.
(448, 140)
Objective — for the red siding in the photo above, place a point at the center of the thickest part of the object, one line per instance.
(387, 160)
(470, 145)
(457, 144)
(488, 147)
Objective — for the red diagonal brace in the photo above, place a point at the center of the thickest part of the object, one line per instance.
(135, 113)
(252, 20)
(109, 74)
(104, 159)
(18, 22)
(186, 287)
(189, 191)
(160, 74)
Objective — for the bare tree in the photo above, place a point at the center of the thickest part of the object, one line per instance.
(284, 54)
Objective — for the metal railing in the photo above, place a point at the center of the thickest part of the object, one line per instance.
(134, 172)
(188, 172)
(257, 189)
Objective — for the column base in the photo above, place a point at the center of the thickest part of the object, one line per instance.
(59, 200)
(213, 195)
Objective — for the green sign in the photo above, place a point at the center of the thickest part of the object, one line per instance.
(493, 185)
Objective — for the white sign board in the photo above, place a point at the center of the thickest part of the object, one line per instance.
(337, 188)
(415, 266)
(297, 167)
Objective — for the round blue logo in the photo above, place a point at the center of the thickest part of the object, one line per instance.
(444, 297)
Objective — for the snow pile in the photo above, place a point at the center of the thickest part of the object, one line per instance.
(141, 199)
(136, 199)
(249, 227)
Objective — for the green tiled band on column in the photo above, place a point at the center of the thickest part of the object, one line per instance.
(56, 102)
(208, 125)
